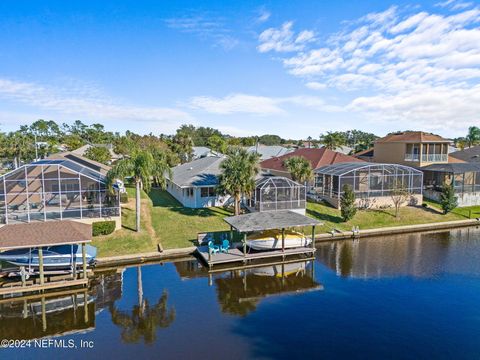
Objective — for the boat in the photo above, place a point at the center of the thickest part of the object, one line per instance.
(54, 257)
(272, 239)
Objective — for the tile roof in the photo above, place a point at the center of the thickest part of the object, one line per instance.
(316, 157)
(200, 172)
(412, 136)
(47, 233)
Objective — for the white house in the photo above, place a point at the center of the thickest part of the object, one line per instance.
(193, 184)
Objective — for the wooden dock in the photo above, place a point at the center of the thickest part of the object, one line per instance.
(236, 255)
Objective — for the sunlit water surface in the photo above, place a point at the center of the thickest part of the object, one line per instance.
(401, 297)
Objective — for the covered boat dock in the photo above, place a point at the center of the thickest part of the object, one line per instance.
(39, 236)
(261, 221)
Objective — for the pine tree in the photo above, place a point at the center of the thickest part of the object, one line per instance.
(448, 200)
(347, 203)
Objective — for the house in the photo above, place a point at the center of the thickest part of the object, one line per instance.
(470, 155)
(89, 163)
(193, 184)
(56, 189)
(316, 157)
(411, 148)
(202, 151)
(430, 154)
(373, 183)
(269, 151)
(83, 149)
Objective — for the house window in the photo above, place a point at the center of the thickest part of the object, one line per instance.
(207, 192)
(190, 192)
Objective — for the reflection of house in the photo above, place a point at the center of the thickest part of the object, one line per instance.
(372, 183)
(56, 190)
(193, 184)
(316, 157)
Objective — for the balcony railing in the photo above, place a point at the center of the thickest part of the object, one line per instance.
(434, 157)
(412, 157)
(427, 157)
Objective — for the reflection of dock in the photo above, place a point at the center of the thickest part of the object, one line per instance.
(235, 255)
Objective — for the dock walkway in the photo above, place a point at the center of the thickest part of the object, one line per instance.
(236, 255)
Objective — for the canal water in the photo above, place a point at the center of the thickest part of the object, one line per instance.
(400, 297)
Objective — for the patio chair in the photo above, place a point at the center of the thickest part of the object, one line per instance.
(213, 249)
(225, 246)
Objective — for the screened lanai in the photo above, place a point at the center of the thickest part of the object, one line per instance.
(54, 190)
(277, 193)
(368, 180)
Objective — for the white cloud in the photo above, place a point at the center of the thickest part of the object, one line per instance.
(88, 102)
(263, 15)
(403, 61)
(284, 39)
(454, 4)
(205, 27)
(315, 85)
(258, 105)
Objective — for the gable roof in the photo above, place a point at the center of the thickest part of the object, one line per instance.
(83, 149)
(200, 172)
(49, 233)
(412, 136)
(94, 165)
(269, 151)
(469, 155)
(316, 157)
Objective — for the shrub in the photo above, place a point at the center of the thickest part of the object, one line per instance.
(103, 227)
(448, 200)
(124, 198)
(347, 203)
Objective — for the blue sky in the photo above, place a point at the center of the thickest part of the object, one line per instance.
(296, 69)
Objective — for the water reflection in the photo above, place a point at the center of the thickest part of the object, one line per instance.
(419, 255)
(142, 321)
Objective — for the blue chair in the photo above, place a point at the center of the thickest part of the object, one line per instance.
(225, 246)
(213, 249)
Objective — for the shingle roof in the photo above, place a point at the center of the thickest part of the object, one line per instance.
(316, 157)
(47, 233)
(269, 220)
(455, 168)
(412, 136)
(200, 172)
(267, 152)
(469, 155)
(92, 164)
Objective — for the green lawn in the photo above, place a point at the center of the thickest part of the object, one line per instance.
(165, 221)
(368, 219)
(177, 226)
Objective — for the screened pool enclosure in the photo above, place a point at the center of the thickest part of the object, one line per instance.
(54, 190)
(277, 193)
(368, 180)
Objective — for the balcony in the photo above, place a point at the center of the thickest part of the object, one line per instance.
(412, 157)
(434, 157)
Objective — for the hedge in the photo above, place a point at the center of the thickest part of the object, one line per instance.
(103, 227)
(124, 198)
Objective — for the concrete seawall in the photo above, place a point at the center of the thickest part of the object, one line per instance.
(173, 254)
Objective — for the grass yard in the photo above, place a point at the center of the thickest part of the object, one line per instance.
(368, 219)
(164, 220)
(176, 226)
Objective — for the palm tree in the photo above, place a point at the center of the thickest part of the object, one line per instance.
(142, 167)
(473, 136)
(238, 174)
(332, 140)
(299, 169)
